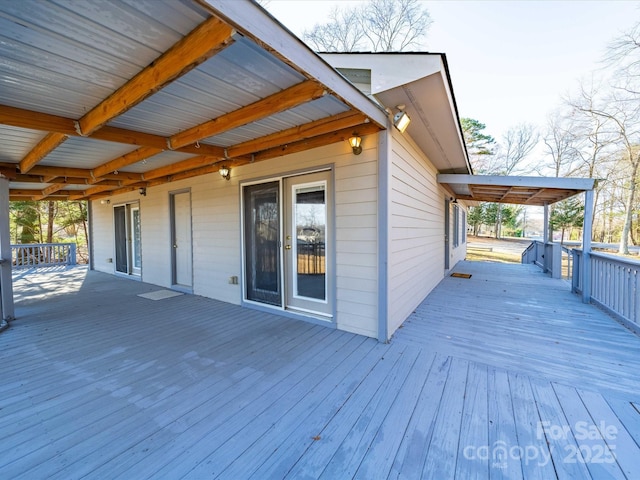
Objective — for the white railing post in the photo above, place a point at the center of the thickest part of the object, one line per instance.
(6, 280)
(586, 246)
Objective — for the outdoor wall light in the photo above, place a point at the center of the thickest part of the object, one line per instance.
(356, 144)
(401, 120)
(225, 172)
(105, 202)
(143, 191)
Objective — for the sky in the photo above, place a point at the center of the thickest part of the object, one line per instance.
(510, 61)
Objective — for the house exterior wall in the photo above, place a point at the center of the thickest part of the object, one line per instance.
(216, 231)
(416, 223)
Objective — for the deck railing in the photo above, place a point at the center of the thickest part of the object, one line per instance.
(615, 285)
(547, 256)
(567, 260)
(43, 255)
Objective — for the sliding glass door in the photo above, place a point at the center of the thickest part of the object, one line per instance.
(287, 252)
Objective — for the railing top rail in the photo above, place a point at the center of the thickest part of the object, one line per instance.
(26, 245)
(616, 259)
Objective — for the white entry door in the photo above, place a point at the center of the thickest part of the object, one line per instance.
(307, 249)
(288, 248)
(182, 267)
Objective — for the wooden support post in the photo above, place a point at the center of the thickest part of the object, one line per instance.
(545, 238)
(6, 282)
(586, 246)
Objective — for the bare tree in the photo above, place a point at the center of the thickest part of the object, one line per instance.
(514, 148)
(343, 32)
(394, 25)
(378, 26)
(561, 144)
(620, 110)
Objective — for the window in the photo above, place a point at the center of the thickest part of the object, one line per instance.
(459, 226)
(456, 226)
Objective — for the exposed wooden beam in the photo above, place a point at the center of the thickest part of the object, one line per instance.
(131, 137)
(79, 195)
(291, 97)
(31, 193)
(196, 172)
(319, 141)
(65, 172)
(506, 193)
(49, 143)
(178, 167)
(203, 42)
(51, 189)
(21, 118)
(294, 134)
(127, 159)
(539, 193)
(9, 171)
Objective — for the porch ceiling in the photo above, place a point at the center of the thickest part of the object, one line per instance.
(514, 190)
(103, 97)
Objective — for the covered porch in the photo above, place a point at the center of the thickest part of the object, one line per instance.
(504, 374)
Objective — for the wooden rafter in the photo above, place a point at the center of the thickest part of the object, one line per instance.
(319, 141)
(203, 42)
(21, 118)
(127, 159)
(178, 167)
(31, 193)
(284, 100)
(51, 189)
(49, 143)
(157, 173)
(506, 193)
(539, 193)
(319, 127)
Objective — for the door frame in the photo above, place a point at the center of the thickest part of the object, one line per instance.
(172, 239)
(314, 317)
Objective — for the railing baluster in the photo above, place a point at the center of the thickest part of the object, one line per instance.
(615, 284)
(43, 255)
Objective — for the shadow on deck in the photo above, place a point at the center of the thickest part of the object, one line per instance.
(504, 374)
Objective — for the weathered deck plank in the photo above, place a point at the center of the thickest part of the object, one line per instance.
(100, 383)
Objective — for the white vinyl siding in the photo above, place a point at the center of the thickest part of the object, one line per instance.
(217, 253)
(416, 221)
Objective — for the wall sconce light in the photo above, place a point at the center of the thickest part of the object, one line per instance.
(143, 191)
(356, 144)
(225, 172)
(105, 202)
(401, 120)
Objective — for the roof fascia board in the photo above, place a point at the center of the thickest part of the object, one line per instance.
(256, 23)
(518, 181)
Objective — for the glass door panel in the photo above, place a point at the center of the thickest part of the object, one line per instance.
(306, 251)
(262, 243)
(310, 218)
(136, 250)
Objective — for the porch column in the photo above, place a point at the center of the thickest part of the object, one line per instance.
(586, 246)
(6, 282)
(545, 237)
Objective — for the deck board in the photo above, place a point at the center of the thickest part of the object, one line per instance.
(100, 383)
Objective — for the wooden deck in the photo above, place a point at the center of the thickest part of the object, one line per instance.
(503, 375)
